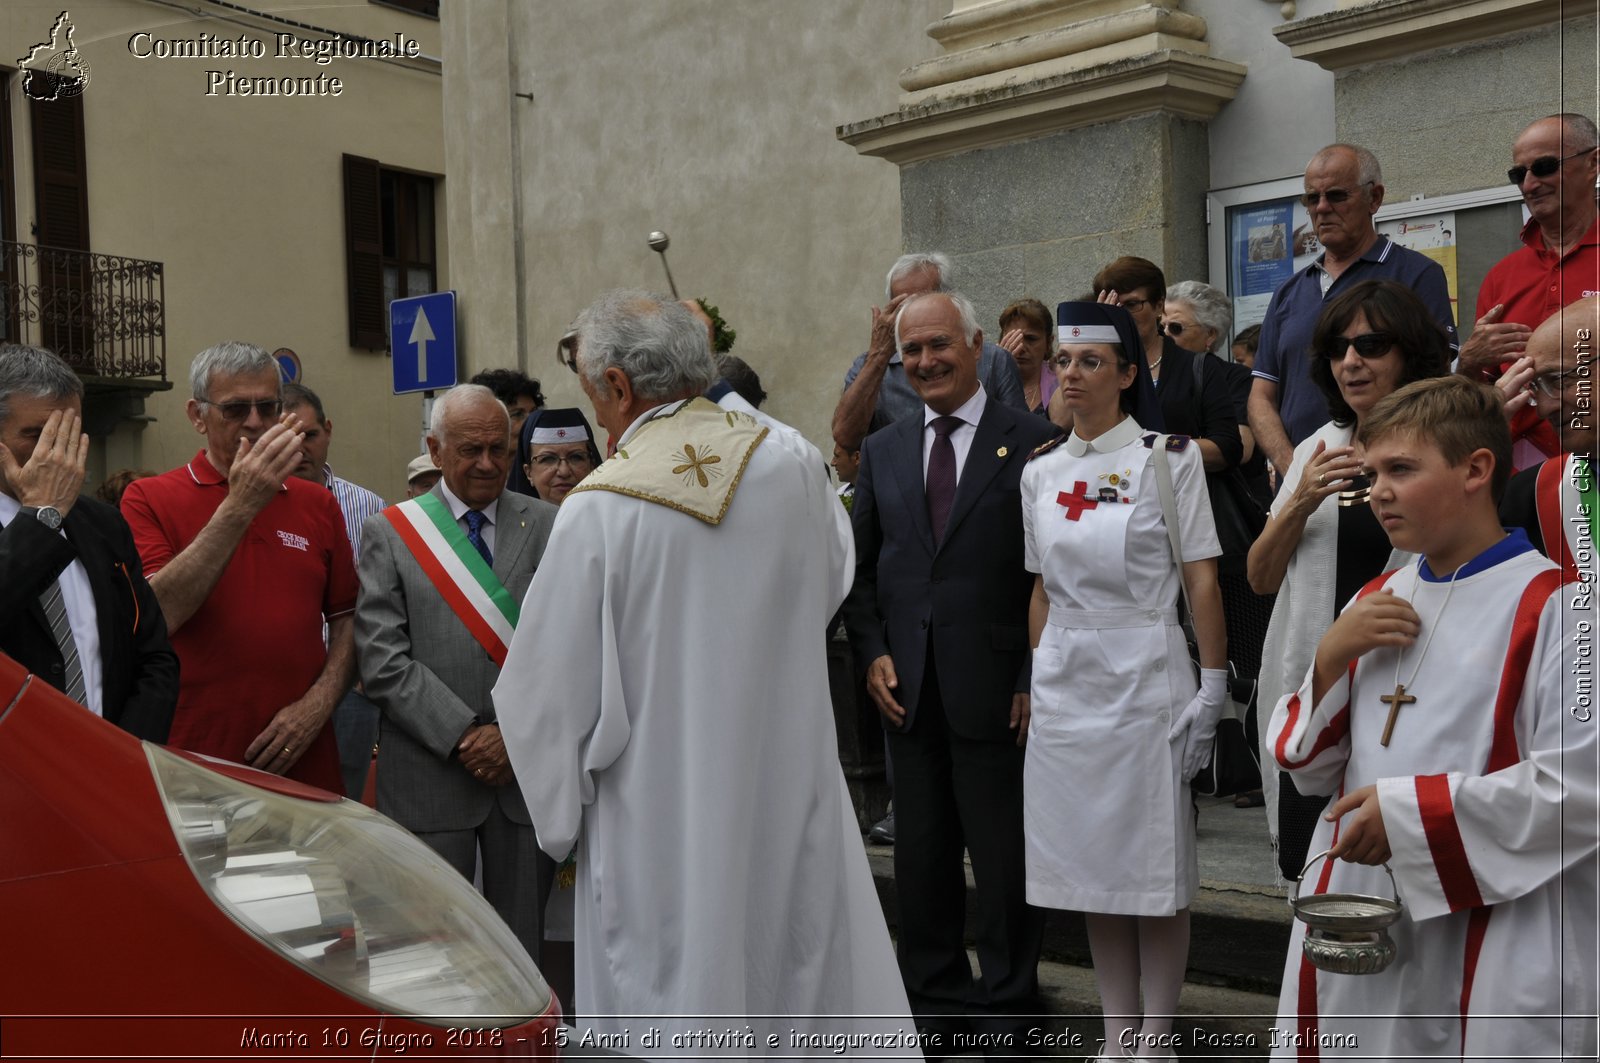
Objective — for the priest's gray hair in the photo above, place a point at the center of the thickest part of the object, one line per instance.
(659, 345)
(460, 396)
(229, 358)
(1211, 308)
(34, 373)
(964, 309)
(916, 262)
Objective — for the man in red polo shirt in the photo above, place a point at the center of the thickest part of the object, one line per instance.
(1554, 164)
(247, 561)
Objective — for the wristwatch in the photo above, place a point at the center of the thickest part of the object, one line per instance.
(49, 516)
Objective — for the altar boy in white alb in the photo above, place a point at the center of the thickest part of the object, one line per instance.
(1444, 713)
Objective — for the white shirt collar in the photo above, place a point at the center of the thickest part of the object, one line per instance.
(9, 508)
(970, 411)
(1118, 436)
(458, 507)
(650, 414)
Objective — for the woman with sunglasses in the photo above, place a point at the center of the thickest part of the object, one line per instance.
(1322, 542)
(1118, 724)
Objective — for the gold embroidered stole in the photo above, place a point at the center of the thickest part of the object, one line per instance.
(690, 459)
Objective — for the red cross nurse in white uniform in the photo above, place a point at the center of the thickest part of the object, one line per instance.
(1118, 724)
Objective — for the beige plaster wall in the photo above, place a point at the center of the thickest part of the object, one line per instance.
(710, 119)
(241, 199)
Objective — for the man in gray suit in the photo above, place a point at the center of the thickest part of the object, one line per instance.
(441, 578)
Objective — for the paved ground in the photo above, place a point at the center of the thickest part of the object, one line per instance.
(1232, 844)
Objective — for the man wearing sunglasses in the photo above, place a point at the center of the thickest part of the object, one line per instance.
(247, 560)
(1343, 190)
(1554, 166)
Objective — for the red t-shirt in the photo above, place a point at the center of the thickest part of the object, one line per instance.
(255, 645)
(1533, 283)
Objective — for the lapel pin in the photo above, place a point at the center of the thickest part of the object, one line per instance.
(1002, 452)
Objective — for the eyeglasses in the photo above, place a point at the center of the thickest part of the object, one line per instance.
(1334, 196)
(1173, 328)
(1089, 363)
(1367, 345)
(1551, 385)
(1543, 166)
(548, 462)
(238, 411)
(1130, 305)
(567, 350)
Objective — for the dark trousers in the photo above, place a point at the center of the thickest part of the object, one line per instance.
(953, 794)
(355, 728)
(517, 875)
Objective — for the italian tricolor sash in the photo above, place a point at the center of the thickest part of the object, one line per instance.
(463, 579)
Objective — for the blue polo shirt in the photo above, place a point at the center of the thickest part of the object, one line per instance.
(1283, 354)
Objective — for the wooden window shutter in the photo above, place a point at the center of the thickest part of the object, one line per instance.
(363, 230)
(60, 172)
(61, 210)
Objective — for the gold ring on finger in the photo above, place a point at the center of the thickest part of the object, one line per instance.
(288, 750)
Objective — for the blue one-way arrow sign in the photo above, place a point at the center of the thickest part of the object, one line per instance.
(422, 335)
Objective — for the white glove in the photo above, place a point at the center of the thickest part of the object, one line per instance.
(1197, 723)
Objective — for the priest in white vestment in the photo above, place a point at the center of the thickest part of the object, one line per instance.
(665, 705)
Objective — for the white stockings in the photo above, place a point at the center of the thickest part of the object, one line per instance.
(1134, 952)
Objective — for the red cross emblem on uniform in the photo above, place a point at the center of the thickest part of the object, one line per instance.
(561, 433)
(1076, 502)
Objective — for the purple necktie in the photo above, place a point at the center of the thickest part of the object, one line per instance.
(941, 490)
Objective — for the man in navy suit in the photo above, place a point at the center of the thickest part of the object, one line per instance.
(75, 609)
(939, 611)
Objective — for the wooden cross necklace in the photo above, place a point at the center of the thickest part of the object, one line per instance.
(1400, 697)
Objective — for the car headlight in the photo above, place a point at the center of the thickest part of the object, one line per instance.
(351, 897)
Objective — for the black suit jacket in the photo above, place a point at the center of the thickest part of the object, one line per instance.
(967, 598)
(138, 670)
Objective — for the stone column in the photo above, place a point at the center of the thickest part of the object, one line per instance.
(1052, 136)
(483, 195)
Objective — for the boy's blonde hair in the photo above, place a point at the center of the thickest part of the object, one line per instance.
(1454, 414)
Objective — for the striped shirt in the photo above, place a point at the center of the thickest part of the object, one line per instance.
(356, 503)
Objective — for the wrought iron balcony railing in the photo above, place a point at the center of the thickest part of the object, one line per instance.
(104, 314)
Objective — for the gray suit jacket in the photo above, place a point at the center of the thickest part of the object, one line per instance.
(429, 676)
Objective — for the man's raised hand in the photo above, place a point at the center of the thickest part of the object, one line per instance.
(53, 474)
(259, 469)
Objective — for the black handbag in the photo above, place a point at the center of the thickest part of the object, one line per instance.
(1235, 764)
(1239, 515)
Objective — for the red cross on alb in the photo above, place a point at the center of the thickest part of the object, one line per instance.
(1076, 503)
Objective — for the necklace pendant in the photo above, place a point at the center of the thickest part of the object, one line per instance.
(1394, 701)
